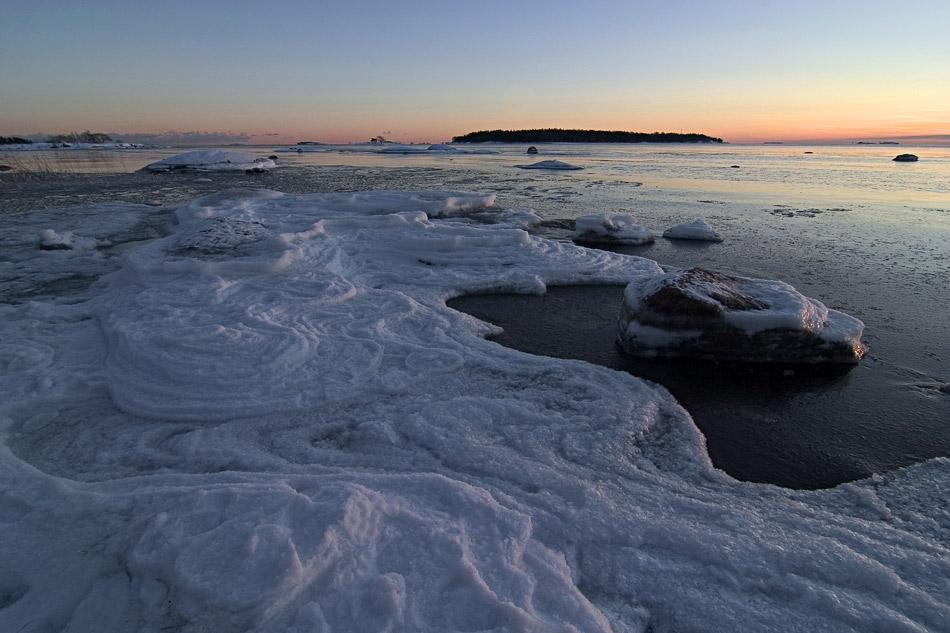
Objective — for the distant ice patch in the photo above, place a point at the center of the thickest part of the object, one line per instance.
(211, 160)
(550, 164)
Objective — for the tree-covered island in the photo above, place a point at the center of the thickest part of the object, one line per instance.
(556, 135)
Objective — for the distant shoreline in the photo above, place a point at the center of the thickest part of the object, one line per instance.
(554, 135)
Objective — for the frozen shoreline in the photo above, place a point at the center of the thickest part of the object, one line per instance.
(269, 420)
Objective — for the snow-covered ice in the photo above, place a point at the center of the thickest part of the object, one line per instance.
(695, 230)
(611, 228)
(268, 420)
(211, 160)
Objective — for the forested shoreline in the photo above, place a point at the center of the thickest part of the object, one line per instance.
(556, 135)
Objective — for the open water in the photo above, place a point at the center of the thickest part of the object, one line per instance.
(844, 224)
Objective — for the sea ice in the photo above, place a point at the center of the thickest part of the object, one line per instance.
(268, 420)
(611, 228)
(210, 160)
(695, 230)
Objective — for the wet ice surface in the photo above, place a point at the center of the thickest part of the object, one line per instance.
(389, 469)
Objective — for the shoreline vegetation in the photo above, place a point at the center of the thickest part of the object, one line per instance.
(557, 135)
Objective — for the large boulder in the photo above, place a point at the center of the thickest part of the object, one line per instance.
(211, 160)
(704, 314)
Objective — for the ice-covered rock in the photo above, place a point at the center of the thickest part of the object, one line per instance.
(550, 164)
(705, 314)
(50, 240)
(210, 160)
(695, 230)
(611, 228)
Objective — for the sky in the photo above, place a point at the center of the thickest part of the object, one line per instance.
(427, 70)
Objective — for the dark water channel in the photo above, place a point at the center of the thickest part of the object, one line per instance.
(800, 426)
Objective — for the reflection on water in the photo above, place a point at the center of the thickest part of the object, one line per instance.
(851, 173)
(797, 426)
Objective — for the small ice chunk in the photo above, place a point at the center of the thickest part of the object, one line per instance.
(611, 228)
(695, 230)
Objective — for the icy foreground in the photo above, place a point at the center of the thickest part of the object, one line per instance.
(269, 421)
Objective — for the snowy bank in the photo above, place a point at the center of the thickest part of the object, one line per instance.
(268, 420)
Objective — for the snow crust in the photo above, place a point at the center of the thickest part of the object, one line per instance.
(268, 420)
(695, 230)
(614, 228)
(211, 160)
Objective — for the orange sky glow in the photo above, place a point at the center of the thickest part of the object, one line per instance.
(425, 71)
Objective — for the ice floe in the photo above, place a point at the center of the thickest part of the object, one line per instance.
(269, 420)
(211, 160)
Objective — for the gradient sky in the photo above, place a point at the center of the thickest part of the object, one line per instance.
(424, 71)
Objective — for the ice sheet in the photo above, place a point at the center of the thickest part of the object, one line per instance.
(269, 421)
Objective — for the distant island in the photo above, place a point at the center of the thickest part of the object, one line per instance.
(554, 135)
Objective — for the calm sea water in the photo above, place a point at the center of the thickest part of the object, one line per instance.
(844, 224)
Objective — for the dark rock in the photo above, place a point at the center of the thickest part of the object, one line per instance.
(532, 150)
(906, 158)
(6, 168)
(705, 314)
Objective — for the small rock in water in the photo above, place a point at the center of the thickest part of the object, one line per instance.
(905, 158)
(705, 314)
(945, 388)
(611, 228)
